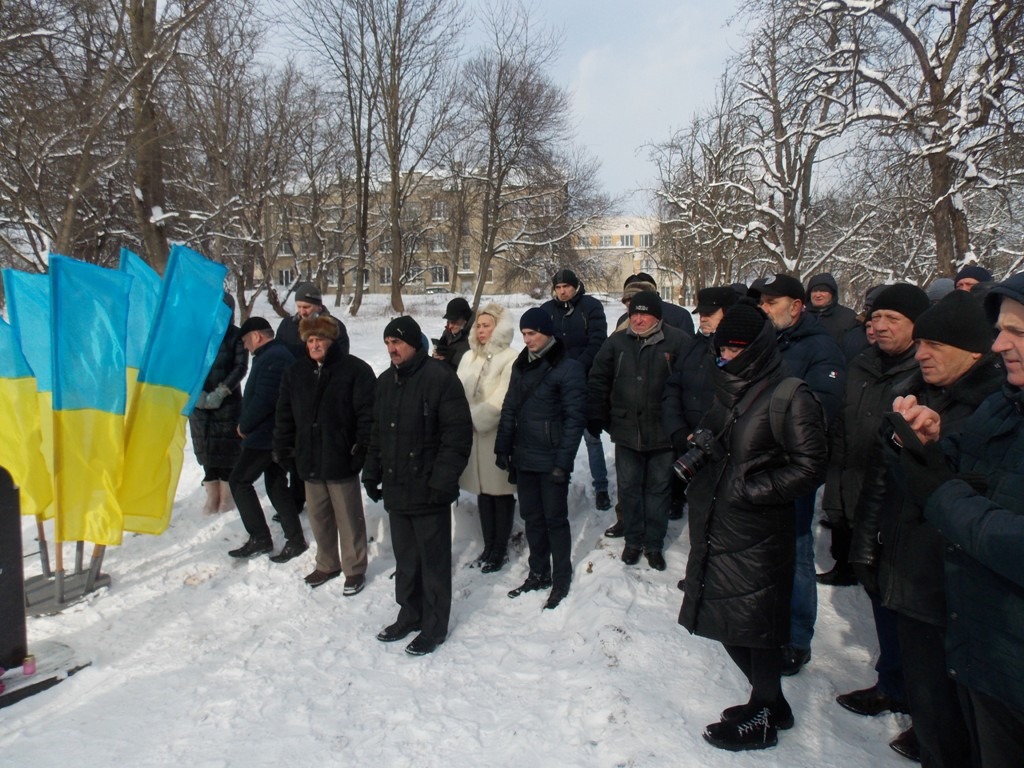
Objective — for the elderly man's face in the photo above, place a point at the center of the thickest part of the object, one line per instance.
(641, 322)
(398, 350)
(941, 364)
(965, 283)
(894, 332)
(781, 310)
(317, 347)
(1010, 341)
(709, 323)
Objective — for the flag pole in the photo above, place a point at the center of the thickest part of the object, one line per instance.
(94, 566)
(44, 551)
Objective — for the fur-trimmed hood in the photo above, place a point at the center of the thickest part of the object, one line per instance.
(504, 330)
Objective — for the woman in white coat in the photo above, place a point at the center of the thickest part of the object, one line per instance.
(485, 372)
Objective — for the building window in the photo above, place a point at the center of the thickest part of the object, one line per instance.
(604, 241)
(626, 240)
(465, 259)
(490, 275)
(285, 277)
(439, 243)
(439, 210)
(385, 276)
(647, 241)
(439, 274)
(366, 279)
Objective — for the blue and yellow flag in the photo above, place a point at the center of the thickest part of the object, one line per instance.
(89, 339)
(141, 311)
(21, 447)
(28, 306)
(189, 315)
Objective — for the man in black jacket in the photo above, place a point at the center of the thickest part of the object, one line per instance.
(454, 341)
(836, 319)
(580, 324)
(324, 414)
(896, 553)
(625, 390)
(542, 419)
(419, 445)
(874, 378)
(270, 359)
(811, 355)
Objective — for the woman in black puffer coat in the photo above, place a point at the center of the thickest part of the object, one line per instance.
(740, 570)
(214, 421)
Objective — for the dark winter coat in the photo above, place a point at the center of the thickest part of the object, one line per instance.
(544, 413)
(890, 531)
(580, 324)
(421, 436)
(452, 347)
(288, 333)
(259, 402)
(812, 355)
(834, 317)
(854, 342)
(671, 314)
(324, 415)
(870, 390)
(690, 390)
(627, 384)
(214, 431)
(985, 538)
(739, 575)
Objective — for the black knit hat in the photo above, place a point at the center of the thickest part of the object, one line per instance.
(710, 300)
(648, 302)
(740, 326)
(308, 293)
(406, 329)
(565, 276)
(909, 300)
(783, 285)
(254, 324)
(974, 272)
(957, 319)
(536, 319)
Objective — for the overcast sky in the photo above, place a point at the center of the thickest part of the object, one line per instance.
(637, 71)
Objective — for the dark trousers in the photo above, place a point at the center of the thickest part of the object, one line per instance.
(804, 602)
(996, 729)
(544, 506)
(932, 696)
(423, 573)
(890, 663)
(250, 465)
(763, 669)
(645, 493)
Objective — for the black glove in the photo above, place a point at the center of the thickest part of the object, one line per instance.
(595, 427)
(559, 476)
(925, 470)
(868, 576)
(373, 491)
(502, 461)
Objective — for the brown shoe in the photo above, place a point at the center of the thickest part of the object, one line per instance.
(353, 585)
(316, 578)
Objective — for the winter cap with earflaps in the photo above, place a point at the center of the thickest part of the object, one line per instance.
(710, 300)
(321, 326)
(406, 329)
(254, 324)
(958, 319)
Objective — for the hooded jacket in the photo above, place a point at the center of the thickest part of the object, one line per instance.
(835, 318)
(485, 373)
(739, 575)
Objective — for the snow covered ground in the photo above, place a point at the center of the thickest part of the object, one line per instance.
(201, 660)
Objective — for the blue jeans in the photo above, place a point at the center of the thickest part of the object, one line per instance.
(645, 491)
(804, 602)
(598, 468)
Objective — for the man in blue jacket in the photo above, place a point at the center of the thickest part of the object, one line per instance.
(270, 359)
(580, 324)
(972, 488)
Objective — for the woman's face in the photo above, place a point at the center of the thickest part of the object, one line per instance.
(484, 328)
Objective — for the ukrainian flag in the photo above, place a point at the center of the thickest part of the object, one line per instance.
(28, 307)
(89, 337)
(141, 311)
(21, 448)
(189, 316)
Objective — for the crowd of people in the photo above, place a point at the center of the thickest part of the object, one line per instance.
(904, 419)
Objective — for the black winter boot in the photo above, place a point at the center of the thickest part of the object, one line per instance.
(751, 730)
(533, 582)
(504, 516)
(486, 504)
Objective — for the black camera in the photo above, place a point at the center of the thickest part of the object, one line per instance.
(701, 450)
